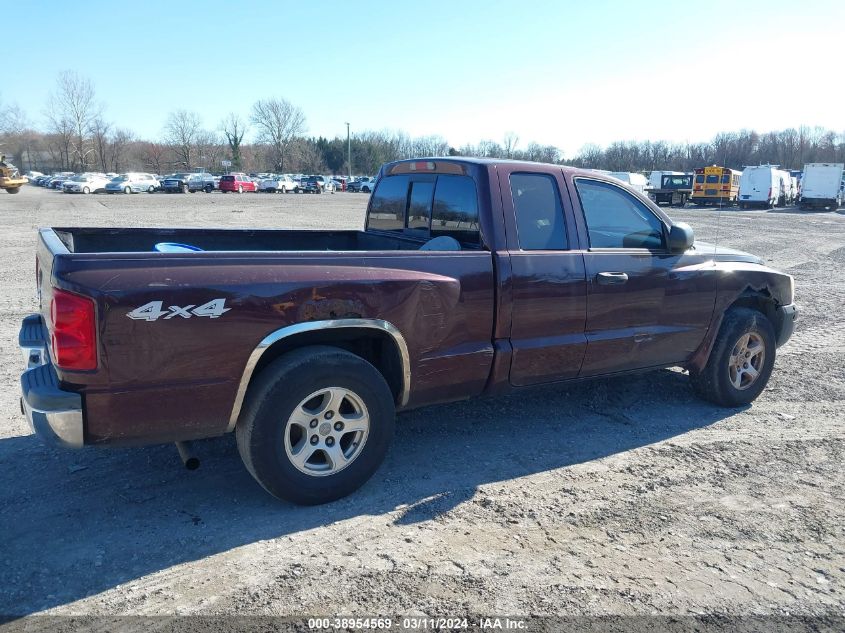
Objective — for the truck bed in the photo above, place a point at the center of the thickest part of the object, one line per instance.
(141, 240)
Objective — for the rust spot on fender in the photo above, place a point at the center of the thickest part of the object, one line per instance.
(323, 309)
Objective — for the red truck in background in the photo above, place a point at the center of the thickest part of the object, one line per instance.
(471, 277)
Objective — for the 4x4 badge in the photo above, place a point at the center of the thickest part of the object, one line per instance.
(152, 311)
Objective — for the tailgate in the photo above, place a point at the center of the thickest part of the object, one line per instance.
(49, 246)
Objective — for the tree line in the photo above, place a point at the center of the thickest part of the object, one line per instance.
(79, 137)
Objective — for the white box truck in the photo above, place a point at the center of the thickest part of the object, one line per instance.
(765, 186)
(821, 186)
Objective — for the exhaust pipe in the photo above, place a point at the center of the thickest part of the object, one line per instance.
(191, 461)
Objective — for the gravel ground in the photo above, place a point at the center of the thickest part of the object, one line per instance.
(630, 496)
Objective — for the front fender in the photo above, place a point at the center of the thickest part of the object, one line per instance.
(752, 285)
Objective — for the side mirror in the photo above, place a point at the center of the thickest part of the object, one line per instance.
(681, 237)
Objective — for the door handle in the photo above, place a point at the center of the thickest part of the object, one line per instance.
(608, 279)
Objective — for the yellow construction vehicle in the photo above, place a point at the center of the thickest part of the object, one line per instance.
(10, 178)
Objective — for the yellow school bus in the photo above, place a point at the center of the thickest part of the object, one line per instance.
(715, 185)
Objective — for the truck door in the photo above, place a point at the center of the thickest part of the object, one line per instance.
(646, 306)
(548, 285)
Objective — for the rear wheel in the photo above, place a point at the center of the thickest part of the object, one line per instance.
(316, 425)
(150, 189)
(86, 190)
(13, 189)
(186, 189)
(240, 189)
(741, 360)
(127, 190)
(208, 188)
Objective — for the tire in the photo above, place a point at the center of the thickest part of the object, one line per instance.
(296, 189)
(186, 189)
(150, 189)
(86, 190)
(365, 189)
(304, 380)
(13, 189)
(208, 188)
(742, 328)
(240, 189)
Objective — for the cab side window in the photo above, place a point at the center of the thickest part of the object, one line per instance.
(616, 219)
(539, 213)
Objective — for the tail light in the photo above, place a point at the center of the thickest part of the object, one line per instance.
(73, 333)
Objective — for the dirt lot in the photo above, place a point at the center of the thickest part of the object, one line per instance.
(628, 497)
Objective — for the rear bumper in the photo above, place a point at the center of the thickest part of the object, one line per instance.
(787, 316)
(53, 414)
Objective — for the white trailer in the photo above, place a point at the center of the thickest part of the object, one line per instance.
(766, 186)
(821, 186)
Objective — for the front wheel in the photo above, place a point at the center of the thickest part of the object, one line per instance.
(86, 190)
(208, 188)
(150, 189)
(13, 189)
(316, 425)
(741, 360)
(240, 189)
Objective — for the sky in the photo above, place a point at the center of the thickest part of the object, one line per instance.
(560, 73)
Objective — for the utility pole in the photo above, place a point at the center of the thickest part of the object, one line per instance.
(348, 152)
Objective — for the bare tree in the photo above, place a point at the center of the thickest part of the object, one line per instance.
(100, 130)
(234, 129)
(279, 122)
(210, 149)
(154, 156)
(182, 131)
(510, 143)
(71, 111)
(13, 119)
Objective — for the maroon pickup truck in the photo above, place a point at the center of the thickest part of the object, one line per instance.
(472, 277)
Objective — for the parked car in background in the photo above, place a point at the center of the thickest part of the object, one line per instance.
(32, 175)
(189, 183)
(85, 183)
(365, 184)
(57, 180)
(284, 184)
(318, 184)
(237, 182)
(132, 182)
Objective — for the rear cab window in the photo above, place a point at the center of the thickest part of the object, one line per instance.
(427, 206)
(539, 213)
